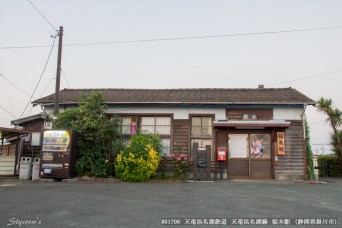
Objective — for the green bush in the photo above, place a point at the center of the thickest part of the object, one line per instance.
(139, 160)
(98, 136)
(333, 163)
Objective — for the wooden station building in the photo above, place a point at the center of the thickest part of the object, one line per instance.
(259, 133)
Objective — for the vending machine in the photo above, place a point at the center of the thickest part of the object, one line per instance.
(58, 156)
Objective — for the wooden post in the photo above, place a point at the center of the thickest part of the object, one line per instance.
(58, 74)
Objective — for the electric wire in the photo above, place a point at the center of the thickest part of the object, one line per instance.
(42, 15)
(13, 84)
(308, 77)
(9, 97)
(6, 88)
(28, 57)
(84, 82)
(180, 38)
(48, 85)
(7, 111)
(65, 77)
(41, 63)
(47, 61)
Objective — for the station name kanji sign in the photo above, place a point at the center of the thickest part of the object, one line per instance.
(281, 143)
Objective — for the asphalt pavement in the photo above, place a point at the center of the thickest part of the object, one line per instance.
(204, 204)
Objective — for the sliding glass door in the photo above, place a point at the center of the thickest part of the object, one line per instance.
(249, 156)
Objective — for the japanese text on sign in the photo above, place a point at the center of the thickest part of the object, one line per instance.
(281, 143)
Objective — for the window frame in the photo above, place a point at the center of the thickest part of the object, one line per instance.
(202, 137)
(139, 117)
(121, 124)
(155, 124)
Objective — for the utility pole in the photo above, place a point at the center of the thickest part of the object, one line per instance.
(58, 74)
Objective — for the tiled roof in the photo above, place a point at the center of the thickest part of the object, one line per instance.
(190, 96)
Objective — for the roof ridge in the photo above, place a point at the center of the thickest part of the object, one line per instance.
(195, 95)
(156, 89)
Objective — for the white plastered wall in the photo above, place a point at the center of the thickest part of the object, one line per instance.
(178, 112)
(287, 113)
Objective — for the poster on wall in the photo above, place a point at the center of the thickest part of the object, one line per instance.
(257, 148)
(281, 143)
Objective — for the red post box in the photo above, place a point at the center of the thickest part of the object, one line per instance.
(221, 154)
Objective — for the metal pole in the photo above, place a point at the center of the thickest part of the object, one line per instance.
(58, 74)
(221, 170)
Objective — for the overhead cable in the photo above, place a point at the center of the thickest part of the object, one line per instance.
(179, 38)
(42, 15)
(313, 76)
(7, 111)
(47, 61)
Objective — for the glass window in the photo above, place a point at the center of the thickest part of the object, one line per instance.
(238, 145)
(125, 141)
(160, 126)
(147, 121)
(260, 146)
(201, 126)
(202, 143)
(197, 121)
(128, 125)
(156, 125)
(165, 147)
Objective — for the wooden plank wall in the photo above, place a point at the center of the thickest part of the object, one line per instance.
(181, 133)
(8, 150)
(34, 126)
(294, 159)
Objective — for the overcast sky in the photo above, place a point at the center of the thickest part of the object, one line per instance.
(309, 61)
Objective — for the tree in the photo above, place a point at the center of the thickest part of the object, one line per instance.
(334, 118)
(98, 136)
(333, 142)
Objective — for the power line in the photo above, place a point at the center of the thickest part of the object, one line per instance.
(84, 82)
(28, 57)
(9, 97)
(41, 95)
(7, 111)
(41, 63)
(180, 38)
(14, 85)
(47, 61)
(313, 76)
(42, 15)
(65, 77)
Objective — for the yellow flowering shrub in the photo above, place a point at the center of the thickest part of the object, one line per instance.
(139, 160)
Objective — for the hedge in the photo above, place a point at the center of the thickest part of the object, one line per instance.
(330, 166)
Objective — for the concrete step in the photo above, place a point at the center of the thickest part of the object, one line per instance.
(290, 175)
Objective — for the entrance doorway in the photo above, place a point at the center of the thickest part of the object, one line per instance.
(249, 156)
